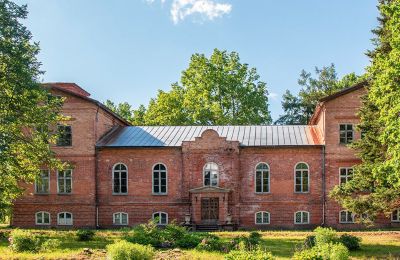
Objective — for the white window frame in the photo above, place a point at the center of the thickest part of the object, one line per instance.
(58, 131)
(347, 215)
(159, 214)
(352, 131)
(48, 180)
(120, 217)
(397, 215)
(262, 218)
(302, 217)
(127, 179)
(347, 176)
(308, 178)
(159, 179)
(65, 224)
(262, 178)
(42, 213)
(58, 184)
(211, 173)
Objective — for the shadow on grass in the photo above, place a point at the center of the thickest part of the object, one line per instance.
(282, 247)
(377, 250)
(97, 243)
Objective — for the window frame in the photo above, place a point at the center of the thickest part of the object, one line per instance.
(262, 217)
(398, 216)
(262, 178)
(204, 175)
(48, 180)
(58, 184)
(65, 212)
(127, 180)
(42, 224)
(346, 131)
(347, 175)
(159, 181)
(58, 132)
(302, 217)
(121, 213)
(308, 179)
(159, 213)
(347, 215)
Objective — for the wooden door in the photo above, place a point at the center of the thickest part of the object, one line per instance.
(209, 210)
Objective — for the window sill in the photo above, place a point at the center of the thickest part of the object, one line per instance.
(64, 194)
(262, 223)
(120, 194)
(42, 194)
(262, 193)
(159, 194)
(302, 223)
(306, 192)
(347, 222)
(42, 224)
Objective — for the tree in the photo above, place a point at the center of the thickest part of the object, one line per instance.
(219, 90)
(27, 110)
(375, 187)
(122, 109)
(298, 110)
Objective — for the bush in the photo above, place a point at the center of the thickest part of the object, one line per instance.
(309, 242)
(257, 254)
(23, 240)
(325, 236)
(328, 251)
(188, 241)
(50, 245)
(4, 234)
(351, 242)
(254, 239)
(145, 234)
(124, 250)
(85, 234)
(212, 243)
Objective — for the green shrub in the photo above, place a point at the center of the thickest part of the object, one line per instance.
(4, 234)
(351, 242)
(327, 251)
(212, 243)
(85, 234)
(50, 245)
(124, 250)
(23, 240)
(145, 234)
(257, 254)
(309, 242)
(188, 241)
(254, 239)
(325, 236)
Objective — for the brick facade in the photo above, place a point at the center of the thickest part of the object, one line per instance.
(93, 203)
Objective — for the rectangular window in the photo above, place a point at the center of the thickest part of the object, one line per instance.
(301, 181)
(64, 181)
(346, 217)
(396, 215)
(346, 133)
(64, 135)
(42, 182)
(346, 174)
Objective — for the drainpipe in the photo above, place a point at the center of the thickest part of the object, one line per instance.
(96, 168)
(323, 186)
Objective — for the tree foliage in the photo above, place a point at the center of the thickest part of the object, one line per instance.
(375, 187)
(26, 109)
(219, 90)
(299, 109)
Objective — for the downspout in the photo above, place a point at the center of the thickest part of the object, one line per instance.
(323, 186)
(96, 168)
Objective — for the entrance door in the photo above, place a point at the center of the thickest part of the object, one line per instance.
(209, 210)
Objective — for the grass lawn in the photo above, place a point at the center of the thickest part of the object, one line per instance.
(282, 244)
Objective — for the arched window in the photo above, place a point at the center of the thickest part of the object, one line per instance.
(262, 217)
(396, 215)
(120, 218)
(301, 178)
(262, 178)
(210, 172)
(42, 218)
(346, 216)
(159, 179)
(302, 217)
(64, 219)
(161, 218)
(120, 179)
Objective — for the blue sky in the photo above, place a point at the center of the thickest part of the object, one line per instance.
(125, 50)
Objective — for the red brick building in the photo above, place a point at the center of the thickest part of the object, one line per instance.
(251, 176)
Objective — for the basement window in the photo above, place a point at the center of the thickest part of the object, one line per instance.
(160, 218)
(396, 215)
(120, 218)
(64, 219)
(302, 217)
(346, 217)
(42, 218)
(262, 217)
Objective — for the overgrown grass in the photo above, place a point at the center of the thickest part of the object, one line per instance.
(282, 244)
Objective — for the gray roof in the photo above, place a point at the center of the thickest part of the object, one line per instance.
(172, 136)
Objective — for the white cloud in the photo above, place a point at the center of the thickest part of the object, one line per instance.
(206, 9)
(273, 95)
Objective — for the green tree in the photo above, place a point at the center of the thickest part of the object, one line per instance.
(26, 108)
(122, 109)
(299, 109)
(375, 187)
(219, 90)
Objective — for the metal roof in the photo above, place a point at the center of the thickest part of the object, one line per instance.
(173, 136)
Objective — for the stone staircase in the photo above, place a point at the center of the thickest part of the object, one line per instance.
(207, 227)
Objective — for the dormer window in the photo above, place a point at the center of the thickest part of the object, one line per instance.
(210, 173)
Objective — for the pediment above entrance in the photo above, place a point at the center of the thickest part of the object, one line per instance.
(211, 140)
(209, 189)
